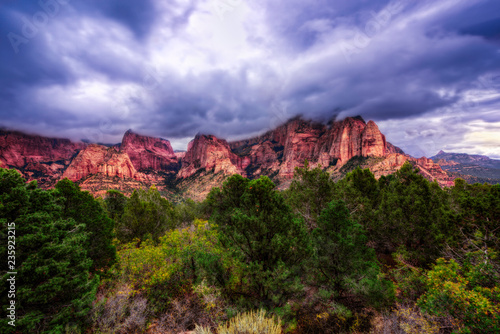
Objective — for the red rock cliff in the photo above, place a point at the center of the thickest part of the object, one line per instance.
(149, 152)
(289, 145)
(97, 159)
(18, 149)
(209, 153)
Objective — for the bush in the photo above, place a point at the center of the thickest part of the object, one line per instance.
(408, 319)
(251, 323)
(330, 319)
(121, 313)
(452, 291)
(185, 313)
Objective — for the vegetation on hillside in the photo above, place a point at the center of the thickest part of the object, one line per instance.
(361, 255)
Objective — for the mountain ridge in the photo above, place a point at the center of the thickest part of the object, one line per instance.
(140, 161)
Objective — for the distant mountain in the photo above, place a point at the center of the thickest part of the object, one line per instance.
(471, 167)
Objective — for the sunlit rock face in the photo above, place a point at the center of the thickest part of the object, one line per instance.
(209, 153)
(98, 159)
(19, 150)
(149, 152)
(289, 145)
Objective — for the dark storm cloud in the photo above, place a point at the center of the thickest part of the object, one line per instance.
(96, 68)
(139, 16)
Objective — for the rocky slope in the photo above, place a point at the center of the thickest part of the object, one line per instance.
(210, 154)
(281, 150)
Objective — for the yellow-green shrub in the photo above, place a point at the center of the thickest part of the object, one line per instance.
(183, 258)
(251, 323)
(452, 291)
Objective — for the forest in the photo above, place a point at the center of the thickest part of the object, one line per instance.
(395, 255)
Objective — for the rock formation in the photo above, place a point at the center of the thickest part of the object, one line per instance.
(18, 149)
(210, 154)
(98, 159)
(288, 146)
(36, 157)
(140, 161)
(148, 152)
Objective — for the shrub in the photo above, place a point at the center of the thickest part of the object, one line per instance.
(453, 292)
(121, 313)
(251, 323)
(408, 319)
(185, 313)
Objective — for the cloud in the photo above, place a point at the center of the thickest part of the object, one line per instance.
(423, 70)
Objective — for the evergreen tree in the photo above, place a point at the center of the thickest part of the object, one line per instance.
(146, 214)
(258, 227)
(85, 209)
(115, 203)
(411, 216)
(342, 262)
(53, 284)
(310, 192)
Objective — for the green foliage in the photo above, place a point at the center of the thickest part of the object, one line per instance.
(476, 209)
(361, 193)
(342, 260)
(169, 269)
(188, 211)
(412, 215)
(260, 231)
(455, 291)
(85, 209)
(115, 203)
(309, 193)
(53, 283)
(146, 214)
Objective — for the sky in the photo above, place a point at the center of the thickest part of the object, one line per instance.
(427, 72)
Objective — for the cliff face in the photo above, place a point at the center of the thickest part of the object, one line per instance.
(97, 159)
(208, 153)
(36, 157)
(149, 153)
(427, 167)
(18, 149)
(288, 146)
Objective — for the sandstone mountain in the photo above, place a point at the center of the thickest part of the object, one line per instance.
(41, 158)
(140, 161)
(148, 152)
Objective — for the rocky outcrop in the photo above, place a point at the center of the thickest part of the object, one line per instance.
(373, 142)
(149, 152)
(98, 159)
(208, 153)
(427, 168)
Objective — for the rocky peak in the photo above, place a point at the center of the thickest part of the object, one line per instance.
(373, 142)
(209, 153)
(149, 152)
